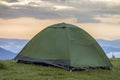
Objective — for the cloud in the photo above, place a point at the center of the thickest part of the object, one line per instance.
(85, 11)
(27, 11)
(114, 19)
(11, 0)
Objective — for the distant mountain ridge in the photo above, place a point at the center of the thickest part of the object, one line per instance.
(6, 55)
(13, 45)
(109, 46)
(109, 43)
(110, 49)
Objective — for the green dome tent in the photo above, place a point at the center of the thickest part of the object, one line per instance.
(66, 46)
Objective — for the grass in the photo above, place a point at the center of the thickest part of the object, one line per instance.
(2, 66)
(17, 71)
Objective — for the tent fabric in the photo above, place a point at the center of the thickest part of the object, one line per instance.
(66, 46)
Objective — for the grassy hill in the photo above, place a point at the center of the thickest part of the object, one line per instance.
(10, 70)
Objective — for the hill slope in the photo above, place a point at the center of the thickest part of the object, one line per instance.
(13, 45)
(5, 55)
(17, 71)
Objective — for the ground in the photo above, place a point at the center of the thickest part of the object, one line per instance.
(10, 70)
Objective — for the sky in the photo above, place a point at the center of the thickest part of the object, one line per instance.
(22, 19)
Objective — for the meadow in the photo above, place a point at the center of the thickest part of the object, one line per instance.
(11, 70)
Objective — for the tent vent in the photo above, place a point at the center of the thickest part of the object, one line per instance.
(63, 27)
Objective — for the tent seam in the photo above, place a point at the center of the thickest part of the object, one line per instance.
(68, 42)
